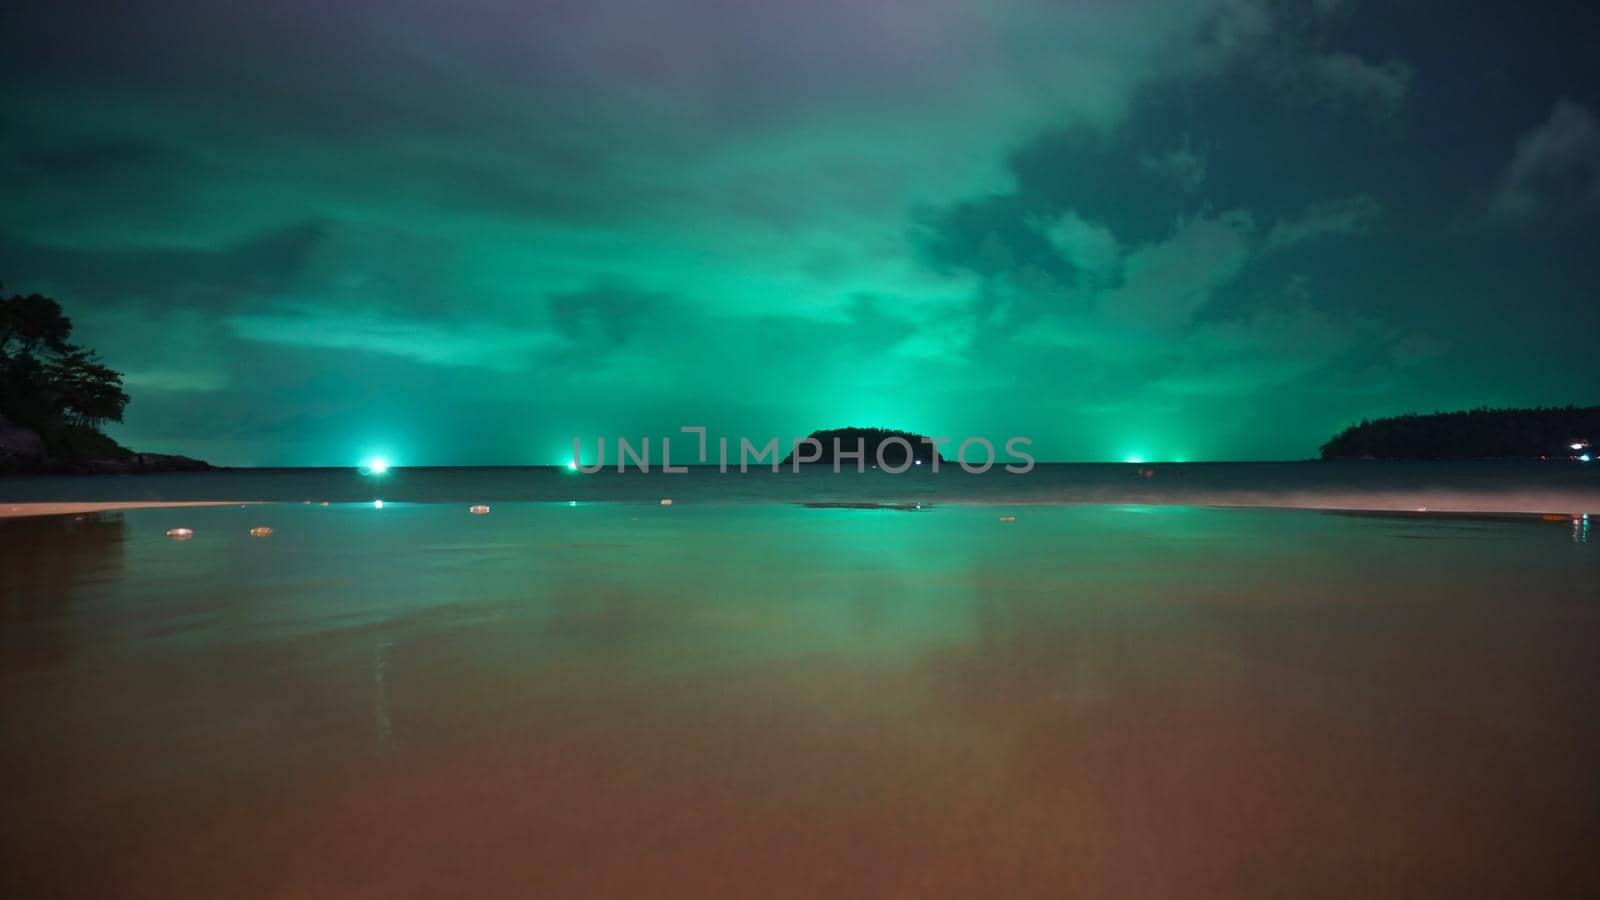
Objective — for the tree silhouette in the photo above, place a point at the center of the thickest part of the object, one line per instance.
(31, 323)
(59, 389)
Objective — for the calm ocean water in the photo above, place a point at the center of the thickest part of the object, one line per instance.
(1560, 487)
(741, 696)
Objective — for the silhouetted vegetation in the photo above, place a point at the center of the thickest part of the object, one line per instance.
(53, 387)
(1471, 434)
(870, 439)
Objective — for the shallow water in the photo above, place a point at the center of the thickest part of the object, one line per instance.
(767, 700)
(1557, 486)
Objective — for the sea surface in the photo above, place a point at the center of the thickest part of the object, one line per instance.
(1533, 487)
(1092, 684)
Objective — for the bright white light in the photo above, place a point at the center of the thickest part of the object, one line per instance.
(1135, 459)
(919, 462)
(377, 504)
(1579, 445)
(377, 465)
(572, 464)
(1584, 458)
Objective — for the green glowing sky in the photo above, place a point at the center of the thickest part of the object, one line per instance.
(462, 233)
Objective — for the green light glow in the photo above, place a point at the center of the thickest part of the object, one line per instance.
(990, 225)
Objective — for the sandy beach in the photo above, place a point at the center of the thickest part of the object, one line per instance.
(768, 700)
(23, 510)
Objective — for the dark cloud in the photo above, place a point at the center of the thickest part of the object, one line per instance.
(167, 277)
(91, 159)
(990, 236)
(606, 316)
(1344, 79)
(1556, 166)
(468, 230)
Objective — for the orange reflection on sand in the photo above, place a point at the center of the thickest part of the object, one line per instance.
(1409, 717)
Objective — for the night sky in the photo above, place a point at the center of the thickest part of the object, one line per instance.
(464, 232)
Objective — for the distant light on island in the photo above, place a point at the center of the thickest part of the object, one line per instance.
(376, 466)
(572, 465)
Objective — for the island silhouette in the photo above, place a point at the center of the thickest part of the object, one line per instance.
(870, 440)
(1565, 432)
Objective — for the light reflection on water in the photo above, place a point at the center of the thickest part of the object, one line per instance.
(1552, 487)
(772, 700)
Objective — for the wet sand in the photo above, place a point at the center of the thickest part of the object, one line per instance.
(800, 703)
(21, 510)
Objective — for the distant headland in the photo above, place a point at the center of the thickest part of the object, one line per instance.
(871, 439)
(1541, 433)
(56, 395)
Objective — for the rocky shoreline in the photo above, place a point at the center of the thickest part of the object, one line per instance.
(22, 452)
